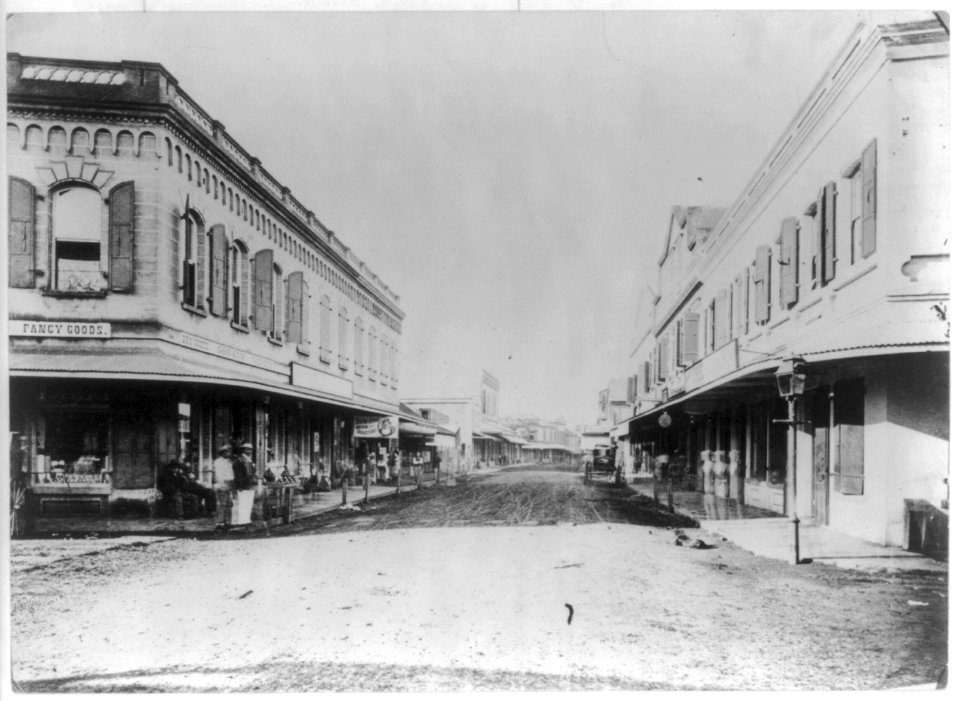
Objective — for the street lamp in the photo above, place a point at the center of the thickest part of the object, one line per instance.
(791, 380)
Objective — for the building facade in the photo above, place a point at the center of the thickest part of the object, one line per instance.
(834, 258)
(167, 295)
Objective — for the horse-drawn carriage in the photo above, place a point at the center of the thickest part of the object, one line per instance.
(602, 461)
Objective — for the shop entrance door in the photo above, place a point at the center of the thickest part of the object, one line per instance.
(821, 458)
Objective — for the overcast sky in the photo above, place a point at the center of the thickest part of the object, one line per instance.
(509, 175)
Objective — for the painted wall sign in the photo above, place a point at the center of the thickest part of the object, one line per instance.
(376, 427)
(60, 329)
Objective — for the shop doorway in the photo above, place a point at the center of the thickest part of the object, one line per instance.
(821, 457)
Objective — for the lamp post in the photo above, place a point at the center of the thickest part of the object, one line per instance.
(791, 380)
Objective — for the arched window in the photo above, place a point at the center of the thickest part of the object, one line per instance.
(125, 144)
(34, 138)
(79, 141)
(147, 145)
(189, 167)
(223, 193)
(192, 260)
(230, 197)
(206, 180)
(79, 259)
(169, 150)
(216, 187)
(179, 158)
(279, 303)
(196, 172)
(57, 141)
(239, 269)
(13, 138)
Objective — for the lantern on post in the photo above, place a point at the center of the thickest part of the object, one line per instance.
(791, 382)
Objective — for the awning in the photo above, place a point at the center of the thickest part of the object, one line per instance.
(412, 429)
(174, 365)
(484, 436)
(514, 440)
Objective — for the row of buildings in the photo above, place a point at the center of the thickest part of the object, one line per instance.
(167, 295)
(823, 285)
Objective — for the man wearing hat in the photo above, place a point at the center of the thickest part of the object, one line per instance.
(223, 483)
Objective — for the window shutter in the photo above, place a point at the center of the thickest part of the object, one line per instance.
(849, 399)
(748, 295)
(201, 271)
(789, 258)
(762, 297)
(723, 317)
(121, 237)
(661, 358)
(828, 228)
(21, 232)
(632, 388)
(294, 304)
(646, 376)
(736, 306)
(691, 340)
(218, 286)
(868, 241)
(263, 290)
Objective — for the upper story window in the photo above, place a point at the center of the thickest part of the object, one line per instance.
(192, 252)
(863, 204)
(79, 263)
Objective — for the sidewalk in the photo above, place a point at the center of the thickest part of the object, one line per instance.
(304, 506)
(766, 534)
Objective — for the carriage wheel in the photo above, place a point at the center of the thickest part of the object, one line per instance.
(18, 510)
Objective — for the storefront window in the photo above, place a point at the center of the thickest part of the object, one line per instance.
(76, 444)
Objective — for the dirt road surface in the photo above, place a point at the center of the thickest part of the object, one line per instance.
(521, 581)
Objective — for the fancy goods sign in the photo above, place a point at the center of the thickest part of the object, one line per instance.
(60, 329)
(376, 427)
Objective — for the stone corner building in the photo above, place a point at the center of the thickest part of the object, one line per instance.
(168, 295)
(836, 252)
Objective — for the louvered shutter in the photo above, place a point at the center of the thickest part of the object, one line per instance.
(869, 194)
(748, 294)
(121, 237)
(828, 226)
(202, 300)
(691, 340)
(646, 376)
(723, 317)
(293, 307)
(218, 286)
(789, 257)
(632, 388)
(736, 306)
(762, 297)
(263, 290)
(21, 232)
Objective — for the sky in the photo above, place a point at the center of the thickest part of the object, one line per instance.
(509, 174)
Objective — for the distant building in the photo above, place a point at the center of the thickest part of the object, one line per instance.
(835, 254)
(469, 399)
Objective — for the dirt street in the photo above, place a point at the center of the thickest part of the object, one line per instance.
(522, 580)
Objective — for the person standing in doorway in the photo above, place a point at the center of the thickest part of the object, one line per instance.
(223, 483)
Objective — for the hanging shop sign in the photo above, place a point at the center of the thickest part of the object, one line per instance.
(664, 420)
(59, 329)
(376, 427)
